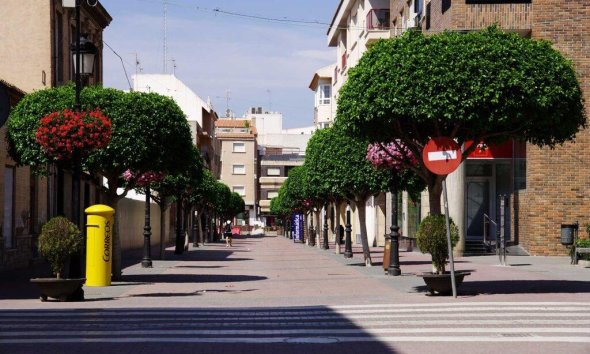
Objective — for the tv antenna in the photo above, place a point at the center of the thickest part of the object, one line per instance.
(165, 59)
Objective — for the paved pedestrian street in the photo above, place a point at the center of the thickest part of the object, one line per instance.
(269, 295)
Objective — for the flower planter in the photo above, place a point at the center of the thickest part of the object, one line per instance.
(61, 289)
(441, 284)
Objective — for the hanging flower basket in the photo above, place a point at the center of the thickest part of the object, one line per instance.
(68, 134)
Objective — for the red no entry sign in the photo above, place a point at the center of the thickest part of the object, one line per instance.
(441, 155)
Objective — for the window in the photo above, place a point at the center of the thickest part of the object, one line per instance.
(241, 190)
(8, 224)
(272, 194)
(378, 19)
(239, 147)
(239, 169)
(325, 94)
(273, 171)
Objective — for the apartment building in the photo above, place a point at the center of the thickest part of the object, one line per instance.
(544, 188)
(199, 113)
(356, 24)
(324, 110)
(239, 162)
(274, 169)
(35, 54)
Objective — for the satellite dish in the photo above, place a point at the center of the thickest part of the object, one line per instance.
(4, 104)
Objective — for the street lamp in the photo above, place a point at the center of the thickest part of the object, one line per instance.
(325, 236)
(195, 229)
(146, 262)
(82, 66)
(394, 266)
(311, 230)
(347, 231)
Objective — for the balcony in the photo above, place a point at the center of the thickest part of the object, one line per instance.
(378, 20)
(272, 181)
(513, 17)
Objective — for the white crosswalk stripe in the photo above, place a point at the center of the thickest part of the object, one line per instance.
(447, 322)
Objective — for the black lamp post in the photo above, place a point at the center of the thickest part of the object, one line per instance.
(394, 266)
(347, 231)
(179, 244)
(83, 55)
(146, 262)
(195, 230)
(325, 235)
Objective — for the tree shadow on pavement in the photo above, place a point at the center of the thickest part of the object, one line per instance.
(191, 293)
(525, 287)
(200, 267)
(189, 278)
(495, 287)
(309, 330)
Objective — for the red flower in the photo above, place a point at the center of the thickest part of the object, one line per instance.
(61, 134)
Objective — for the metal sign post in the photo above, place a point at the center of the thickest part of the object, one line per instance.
(442, 155)
(449, 244)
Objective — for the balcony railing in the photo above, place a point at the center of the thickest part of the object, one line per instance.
(378, 19)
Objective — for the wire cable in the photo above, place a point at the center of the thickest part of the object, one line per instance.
(122, 64)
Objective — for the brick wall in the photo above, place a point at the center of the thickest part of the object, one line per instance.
(558, 181)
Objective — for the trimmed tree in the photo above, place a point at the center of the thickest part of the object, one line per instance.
(149, 133)
(482, 86)
(339, 163)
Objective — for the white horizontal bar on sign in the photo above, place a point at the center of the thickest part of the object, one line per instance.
(442, 155)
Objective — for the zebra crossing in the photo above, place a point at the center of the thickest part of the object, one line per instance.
(432, 322)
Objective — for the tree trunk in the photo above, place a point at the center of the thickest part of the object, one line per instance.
(113, 200)
(360, 204)
(338, 237)
(318, 228)
(163, 208)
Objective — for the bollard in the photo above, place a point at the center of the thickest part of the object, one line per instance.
(99, 249)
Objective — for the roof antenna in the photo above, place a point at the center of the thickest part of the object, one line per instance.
(165, 2)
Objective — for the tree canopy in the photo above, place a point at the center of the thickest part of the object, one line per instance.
(149, 133)
(482, 86)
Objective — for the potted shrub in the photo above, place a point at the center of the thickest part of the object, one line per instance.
(431, 237)
(59, 239)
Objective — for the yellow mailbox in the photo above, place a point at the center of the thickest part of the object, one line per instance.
(99, 245)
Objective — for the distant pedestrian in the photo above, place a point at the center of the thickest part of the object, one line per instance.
(228, 234)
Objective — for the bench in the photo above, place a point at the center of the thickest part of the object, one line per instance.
(579, 250)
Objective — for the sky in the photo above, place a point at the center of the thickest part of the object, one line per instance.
(261, 63)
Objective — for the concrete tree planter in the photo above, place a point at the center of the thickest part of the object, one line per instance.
(60, 289)
(60, 239)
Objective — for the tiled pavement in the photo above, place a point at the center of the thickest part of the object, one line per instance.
(269, 295)
(274, 271)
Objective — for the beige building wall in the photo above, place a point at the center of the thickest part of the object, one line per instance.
(131, 214)
(28, 60)
(233, 178)
(25, 43)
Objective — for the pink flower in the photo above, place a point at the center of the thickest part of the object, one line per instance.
(391, 157)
